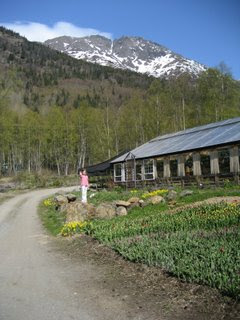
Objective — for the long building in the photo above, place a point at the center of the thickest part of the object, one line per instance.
(208, 153)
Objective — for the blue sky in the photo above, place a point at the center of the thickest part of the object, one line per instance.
(207, 31)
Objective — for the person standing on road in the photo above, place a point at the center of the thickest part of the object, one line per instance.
(84, 184)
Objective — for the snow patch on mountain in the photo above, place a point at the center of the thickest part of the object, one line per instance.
(132, 53)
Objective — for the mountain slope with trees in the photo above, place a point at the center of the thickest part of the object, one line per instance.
(60, 113)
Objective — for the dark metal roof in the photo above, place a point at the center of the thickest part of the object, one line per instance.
(213, 134)
(102, 168)
(99, 169)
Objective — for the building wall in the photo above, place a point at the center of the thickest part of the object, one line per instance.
(218, 162)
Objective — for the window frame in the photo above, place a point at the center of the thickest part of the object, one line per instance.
(224, 160)
(150, 172)
(173, 162)
(139, 175)
(205, 159)
(121, 176)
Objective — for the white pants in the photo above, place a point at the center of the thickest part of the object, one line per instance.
(84, 194)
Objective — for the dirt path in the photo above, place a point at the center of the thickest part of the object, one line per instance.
(39, 283)
(45, 278)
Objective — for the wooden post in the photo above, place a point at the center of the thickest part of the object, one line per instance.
(155, 175)
(234, 160)
(142, 173)
(134, 173)
(166, 168)
(196, 165)
(214, 165)
(154, 169)
(234, 163)
(181, 166)
(214, 162)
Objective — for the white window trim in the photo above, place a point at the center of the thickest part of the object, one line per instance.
(122, 176)
(153, 169)
(115, 171)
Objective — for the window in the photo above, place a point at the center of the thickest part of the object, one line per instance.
(189, 166)
(224, 160)
(205, 164)
(160, 168)
(148, 170)
(118, 170)
(138, 170)
(174, 168)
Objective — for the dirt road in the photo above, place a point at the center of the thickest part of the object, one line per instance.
(36, 282)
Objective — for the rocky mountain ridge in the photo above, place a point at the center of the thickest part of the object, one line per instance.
(132, 53)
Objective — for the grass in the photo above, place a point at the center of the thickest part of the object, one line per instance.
(25, 180)
(203, 194)
(52, 220)
(119, 194)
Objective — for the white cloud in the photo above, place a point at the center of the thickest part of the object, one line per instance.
(34, 31)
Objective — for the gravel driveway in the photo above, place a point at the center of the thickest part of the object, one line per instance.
(38, 282)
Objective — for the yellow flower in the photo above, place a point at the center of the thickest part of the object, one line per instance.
(73, 227)
(48, 202)
(154, 193)
(134, 191)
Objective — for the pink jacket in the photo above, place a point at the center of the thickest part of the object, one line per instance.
(84, 180)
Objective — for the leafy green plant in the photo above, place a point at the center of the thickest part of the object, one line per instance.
(205, 258)
(196, 244)
(199, 244)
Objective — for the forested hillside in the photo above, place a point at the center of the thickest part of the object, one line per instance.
(60, 113)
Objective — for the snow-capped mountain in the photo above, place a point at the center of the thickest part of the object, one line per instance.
(132, 53)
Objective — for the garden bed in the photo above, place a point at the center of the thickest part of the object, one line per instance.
(198, 244)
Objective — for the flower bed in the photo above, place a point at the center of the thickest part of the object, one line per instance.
(198, 244)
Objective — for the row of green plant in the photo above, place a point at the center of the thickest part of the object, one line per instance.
(206, 217)
(210, 258)
(197, 244)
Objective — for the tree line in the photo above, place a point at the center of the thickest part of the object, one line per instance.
(68, 135)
